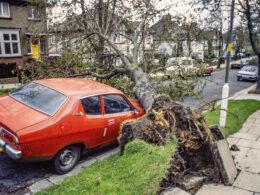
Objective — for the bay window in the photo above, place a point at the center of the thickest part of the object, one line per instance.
(9, 43)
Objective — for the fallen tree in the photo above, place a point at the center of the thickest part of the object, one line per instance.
(166, 120)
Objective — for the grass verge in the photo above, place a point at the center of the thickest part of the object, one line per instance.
(239, 111)
(138, 171)
(3, 91)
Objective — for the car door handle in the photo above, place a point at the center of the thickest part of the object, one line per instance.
(78, 114)
(111, 121)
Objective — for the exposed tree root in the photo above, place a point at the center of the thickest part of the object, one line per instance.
(168, 119)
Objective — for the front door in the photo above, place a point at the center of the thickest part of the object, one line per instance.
(92, 124)
(116, 110)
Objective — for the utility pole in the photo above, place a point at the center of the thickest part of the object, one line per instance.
(225, 90)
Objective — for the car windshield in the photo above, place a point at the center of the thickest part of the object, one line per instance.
(39, 97)
(249, 68)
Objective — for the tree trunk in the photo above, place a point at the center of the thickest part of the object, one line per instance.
(189, 47)
(220, 46)
(101, 43)
(143, 89)
(252, 37)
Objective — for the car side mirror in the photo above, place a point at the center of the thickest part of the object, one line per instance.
(136, 111)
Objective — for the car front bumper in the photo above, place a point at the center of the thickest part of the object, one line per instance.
(11, 152)
(247, 77)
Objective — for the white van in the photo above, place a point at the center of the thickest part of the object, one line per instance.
(175, 63)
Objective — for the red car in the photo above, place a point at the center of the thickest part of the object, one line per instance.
(208, 70)
(57, 119)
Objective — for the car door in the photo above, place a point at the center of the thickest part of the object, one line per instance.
(91, 121)
(116, 110)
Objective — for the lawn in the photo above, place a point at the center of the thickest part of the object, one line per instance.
(138, 171)
(240, 109)
(3, 91)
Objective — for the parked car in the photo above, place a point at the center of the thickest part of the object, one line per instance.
(239, 64)
(208, 70)
(58, 119)
(248, 72)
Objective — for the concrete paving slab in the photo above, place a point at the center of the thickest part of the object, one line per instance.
(225, 162)
(246, 159)
(213, 189)
(254, 130)
(232, 140)
(251, 120)
(175, 191)
(249, 144)
(248, 181)
(246, 136)
(40, 185)
(244, 129)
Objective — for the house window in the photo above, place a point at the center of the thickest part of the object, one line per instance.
(29, 44)
(4, 10)
(42, 46)
(33, 13)
(9, 43)
(118, 38)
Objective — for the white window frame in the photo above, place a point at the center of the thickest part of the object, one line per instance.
(2, 42)
(2, 10)
(118, 38)
(33, 8)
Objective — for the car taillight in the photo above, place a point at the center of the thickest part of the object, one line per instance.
(9, 136)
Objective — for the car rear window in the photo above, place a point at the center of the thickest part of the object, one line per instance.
(91, 105)
(39, 97)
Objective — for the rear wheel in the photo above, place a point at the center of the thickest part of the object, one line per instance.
(66, 159)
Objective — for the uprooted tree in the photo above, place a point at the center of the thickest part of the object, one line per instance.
(97, 23)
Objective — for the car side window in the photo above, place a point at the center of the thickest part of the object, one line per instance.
(115, 104)
(91, 105)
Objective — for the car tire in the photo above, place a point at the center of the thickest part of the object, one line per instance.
(66, 159)
(238, 78)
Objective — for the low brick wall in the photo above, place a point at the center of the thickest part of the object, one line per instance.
(9, 80)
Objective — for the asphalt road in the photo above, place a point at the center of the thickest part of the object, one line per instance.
(213, 89)
(15, 177)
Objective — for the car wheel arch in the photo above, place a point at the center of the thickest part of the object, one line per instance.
(81, 145)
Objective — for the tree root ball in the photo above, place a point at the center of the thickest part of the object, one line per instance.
(166, 120)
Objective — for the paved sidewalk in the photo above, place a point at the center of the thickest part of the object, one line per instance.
(247, 159)
(244, 95)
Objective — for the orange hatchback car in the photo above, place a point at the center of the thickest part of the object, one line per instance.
(57, 119)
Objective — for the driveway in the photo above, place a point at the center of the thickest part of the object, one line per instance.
(213, 88)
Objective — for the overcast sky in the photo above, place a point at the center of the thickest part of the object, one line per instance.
(178, 7)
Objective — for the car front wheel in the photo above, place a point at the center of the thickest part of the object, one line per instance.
(66, 159)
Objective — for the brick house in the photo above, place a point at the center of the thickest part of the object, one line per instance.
(22, 23)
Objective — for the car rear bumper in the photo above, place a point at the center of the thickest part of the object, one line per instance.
(11, 152)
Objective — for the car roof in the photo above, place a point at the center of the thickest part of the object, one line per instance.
(77, 87)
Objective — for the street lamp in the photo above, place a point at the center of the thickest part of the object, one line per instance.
(225, 90)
